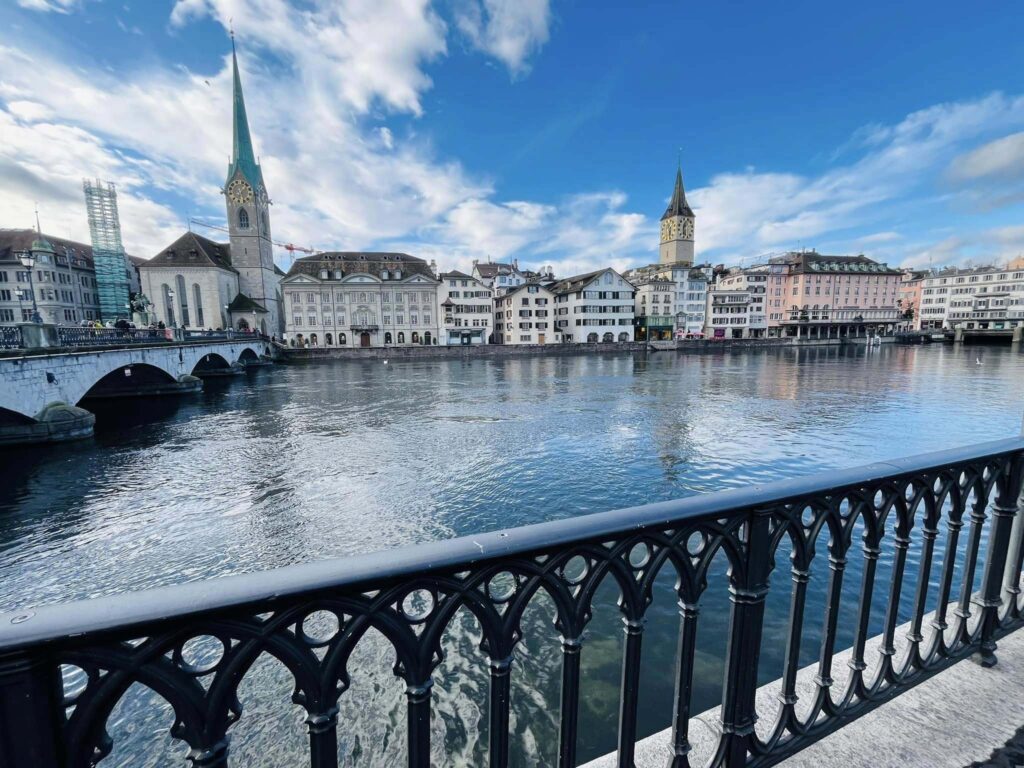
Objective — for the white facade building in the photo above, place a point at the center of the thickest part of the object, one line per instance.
(654, 308)
(985, 298)
(528, 315)
(465, 309)
(597, 306)
(357, 299)
(735, 305)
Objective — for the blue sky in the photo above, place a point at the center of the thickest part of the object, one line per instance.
(543, 130)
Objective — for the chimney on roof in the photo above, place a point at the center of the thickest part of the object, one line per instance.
(515, 264)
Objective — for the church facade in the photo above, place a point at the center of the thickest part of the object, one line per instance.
(198, 283)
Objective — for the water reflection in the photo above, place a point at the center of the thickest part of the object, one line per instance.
(297, 463)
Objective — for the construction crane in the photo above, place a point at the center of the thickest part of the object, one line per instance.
(290, 247)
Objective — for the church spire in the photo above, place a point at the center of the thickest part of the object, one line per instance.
(678, 206)
(243, 157)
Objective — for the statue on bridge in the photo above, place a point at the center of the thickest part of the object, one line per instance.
(140, 306)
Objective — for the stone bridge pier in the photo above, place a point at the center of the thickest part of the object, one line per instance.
(40, 394)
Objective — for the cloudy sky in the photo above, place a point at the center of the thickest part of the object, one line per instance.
(543, 130)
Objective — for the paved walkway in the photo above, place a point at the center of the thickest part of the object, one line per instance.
(955, 719)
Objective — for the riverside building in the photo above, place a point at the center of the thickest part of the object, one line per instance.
(527, 315)
(465, 309)
(655, 310)
(597, 306)
(63, 279)
(813, 295)
(360, 299)
(735, 305)
(982, 298)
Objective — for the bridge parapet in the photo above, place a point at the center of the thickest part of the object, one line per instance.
(37, 379)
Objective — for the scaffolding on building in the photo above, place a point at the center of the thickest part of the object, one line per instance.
(107, 249)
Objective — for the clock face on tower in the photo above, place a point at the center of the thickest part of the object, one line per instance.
(239, 192)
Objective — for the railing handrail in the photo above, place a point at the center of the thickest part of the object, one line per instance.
(80, 621)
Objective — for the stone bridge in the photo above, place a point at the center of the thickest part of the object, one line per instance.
(40, 393)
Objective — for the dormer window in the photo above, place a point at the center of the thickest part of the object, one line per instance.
(398, 274)
(243, 218)
(383, 274)
(323, 274)
(337, 274)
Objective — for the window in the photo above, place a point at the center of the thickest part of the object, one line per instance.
(182, 296)
(387, 337)
(401, 337)
(5, 295)
(342, 339)
(198, 294)
(6, 315)
(243, 218)
(297, 320)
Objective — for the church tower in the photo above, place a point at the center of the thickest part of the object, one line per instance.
(677, 228)
(248, 211)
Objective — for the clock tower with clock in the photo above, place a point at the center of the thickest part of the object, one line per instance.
(677, 225)
(248, 211)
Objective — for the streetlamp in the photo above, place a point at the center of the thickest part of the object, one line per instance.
(170, 308)
(28, 260)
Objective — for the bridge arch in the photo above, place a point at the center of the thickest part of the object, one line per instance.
(128, 379)
(211, 361)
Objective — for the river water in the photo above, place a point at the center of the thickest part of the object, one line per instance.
(296, 463)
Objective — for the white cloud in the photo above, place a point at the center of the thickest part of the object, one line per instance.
(509, 30)
(1002, 158)
(55, 6)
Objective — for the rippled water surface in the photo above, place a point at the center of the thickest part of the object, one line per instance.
(296, 463)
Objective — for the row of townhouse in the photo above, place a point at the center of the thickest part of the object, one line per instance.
(364, 299)
(806, 295)
(980, 298)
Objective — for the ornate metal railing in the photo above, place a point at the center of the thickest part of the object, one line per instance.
(70, 336)
(967, 496)
(10, 337)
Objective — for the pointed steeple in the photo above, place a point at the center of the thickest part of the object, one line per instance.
(243, 157)
(678, 206)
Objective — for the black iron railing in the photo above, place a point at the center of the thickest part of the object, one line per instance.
(961, 502)
(10, 337)
(70, 336)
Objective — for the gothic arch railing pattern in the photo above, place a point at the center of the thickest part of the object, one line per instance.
(76, 662)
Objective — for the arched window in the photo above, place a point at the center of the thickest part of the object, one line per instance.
(401, 337)
(609, 336)
(623, 336)
(415, 337)
(328, 339)
(387, 337)
(182, 294)
(342, 340)
(197, 292)
(243, 218)
(591, 338)
(312, 340)
(426, 337)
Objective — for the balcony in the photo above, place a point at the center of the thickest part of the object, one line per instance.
(65, 668)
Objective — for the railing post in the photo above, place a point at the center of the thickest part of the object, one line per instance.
(323, 738)
(747, 590)
(570, 701)
(1004, 510)
(31, 698)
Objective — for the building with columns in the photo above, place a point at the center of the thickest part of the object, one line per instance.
(813, 295)
(199, 283)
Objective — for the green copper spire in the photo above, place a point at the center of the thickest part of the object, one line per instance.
(678, 206)
(242, 156)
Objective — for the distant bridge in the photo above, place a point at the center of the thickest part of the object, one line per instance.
(42, 389)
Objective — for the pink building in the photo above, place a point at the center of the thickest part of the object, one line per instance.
(811, 295)
(909, 298)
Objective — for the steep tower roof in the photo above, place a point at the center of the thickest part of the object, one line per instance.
(243, 157)
(678, 206)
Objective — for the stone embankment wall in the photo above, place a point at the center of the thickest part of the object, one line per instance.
(483, 350)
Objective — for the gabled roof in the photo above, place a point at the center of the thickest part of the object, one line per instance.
(678, 205)
(242, 303)
(456, 275)
(577, 282)
(79, 254)
(192, 250)
(523, 287)
(493, 268)
(362, 262)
